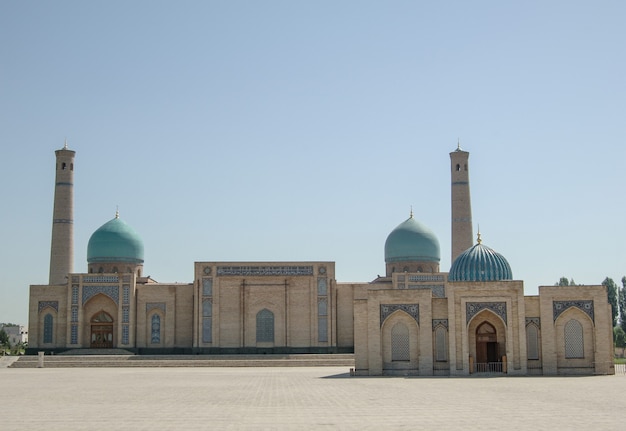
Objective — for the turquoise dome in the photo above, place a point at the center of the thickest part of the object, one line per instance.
(115, 241)
(480, 263)
(411, 241)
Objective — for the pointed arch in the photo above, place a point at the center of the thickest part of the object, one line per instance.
(400, 343)
(574, 332)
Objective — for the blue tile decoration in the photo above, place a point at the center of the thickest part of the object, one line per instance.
(100, 279)
(426, 277)
(558, 307)
(264, 270)
(112, 292)
(535, 320)
(125, 314)
(74, 295)
(412, 310)
(74, 313)
(439, 290)
(74, 334)
(473, 308)
(126, 294)
(440, 322)
(207, 286)
(322, 286)
(207, 307)
(52, 304)
(125, 332)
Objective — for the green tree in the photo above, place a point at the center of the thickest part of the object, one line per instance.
(620, 338)
(611, 290)
(563, 281)
(4, 341)
(622, 304)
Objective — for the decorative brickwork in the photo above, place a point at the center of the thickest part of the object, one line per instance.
(412, 310)
(473, 308)
(559, 307)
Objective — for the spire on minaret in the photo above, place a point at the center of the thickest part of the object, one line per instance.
(65, 145)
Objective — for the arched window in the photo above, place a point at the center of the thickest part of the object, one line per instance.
(532, 341)
(458, 167)
(400, 342)
(47, 328)
(155, 329)
(265, 326)
(574, 346)
(441, 350)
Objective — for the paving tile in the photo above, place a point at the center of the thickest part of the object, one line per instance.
(300, 398)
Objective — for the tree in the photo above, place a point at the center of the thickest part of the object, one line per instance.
(4, 340)
(620, 338)
(611, 290)
(563, 281)
(622, 304)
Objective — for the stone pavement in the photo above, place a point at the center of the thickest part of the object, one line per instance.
(301, 398)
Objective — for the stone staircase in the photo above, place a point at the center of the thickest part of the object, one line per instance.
(128, 360)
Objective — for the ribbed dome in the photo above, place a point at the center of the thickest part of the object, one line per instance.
(412, 241)
(115, 241)
(480, 263)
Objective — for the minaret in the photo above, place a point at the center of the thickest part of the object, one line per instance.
(462, 236)
(62, 249)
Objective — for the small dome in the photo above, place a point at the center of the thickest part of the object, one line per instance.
(411, 241)
(480, 263)
(115, 241)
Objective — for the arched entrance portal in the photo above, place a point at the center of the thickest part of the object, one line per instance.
(488, 358)
(101, 331)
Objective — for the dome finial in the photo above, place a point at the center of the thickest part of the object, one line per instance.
(411, 214)
(478, 240)
(117, 211)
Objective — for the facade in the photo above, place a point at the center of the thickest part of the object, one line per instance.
(415, 320)
(17, 334)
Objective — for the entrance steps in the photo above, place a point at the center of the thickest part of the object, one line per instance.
(128, 360)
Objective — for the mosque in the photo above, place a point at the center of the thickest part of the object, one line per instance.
(414, 320)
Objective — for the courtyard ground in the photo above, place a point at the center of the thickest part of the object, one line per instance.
(301, 398)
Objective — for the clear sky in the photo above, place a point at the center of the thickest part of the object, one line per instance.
(292, 130)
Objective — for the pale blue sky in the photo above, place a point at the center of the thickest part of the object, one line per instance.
(291, 130)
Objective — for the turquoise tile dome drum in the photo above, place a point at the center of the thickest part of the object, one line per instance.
(115, 241)
(480, 263)
(412, 241)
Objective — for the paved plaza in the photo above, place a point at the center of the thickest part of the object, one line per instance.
(300, 398)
